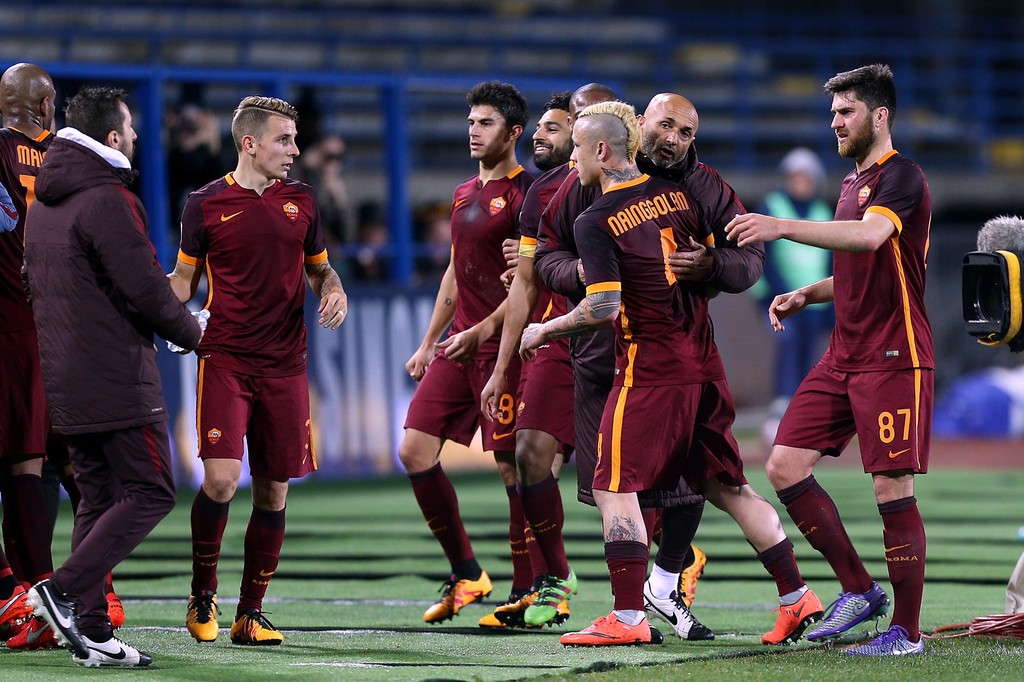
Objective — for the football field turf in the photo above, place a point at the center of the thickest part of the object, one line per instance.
(359, 567)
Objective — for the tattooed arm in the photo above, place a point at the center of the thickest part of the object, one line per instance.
(440, 319)
(597, 310)
(326, 284)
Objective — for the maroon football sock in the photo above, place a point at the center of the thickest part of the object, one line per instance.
(678, 526)
(522, 570)
(904, 539)
(108, 584)
(440, 507)
(209, 518)
(33, 527)
(780, 562)
(542, 505)
(627, 568)
(7, 580)
(263, 540)
(816, 516)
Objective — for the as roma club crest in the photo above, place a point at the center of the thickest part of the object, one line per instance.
(213, 435)
(291, 211)
(497, 203)
(863, 195)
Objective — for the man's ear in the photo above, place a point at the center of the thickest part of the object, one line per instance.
(113, 139)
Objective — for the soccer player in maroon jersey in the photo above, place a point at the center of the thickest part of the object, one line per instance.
(452, 374)
(876, 378)
(668, 128)
(651, 415)
(27, 98)
(259, 235)
(543, 422)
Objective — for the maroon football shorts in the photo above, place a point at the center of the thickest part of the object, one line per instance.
(24, 418)
(646, 434)
(447, 403)
(272, 413)
(890, 413)
(546, 396)
(714, 452)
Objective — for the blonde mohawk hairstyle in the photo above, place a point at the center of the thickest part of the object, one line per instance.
(625, 113)
(252, 114)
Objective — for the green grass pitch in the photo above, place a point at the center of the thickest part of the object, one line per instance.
(359, 567)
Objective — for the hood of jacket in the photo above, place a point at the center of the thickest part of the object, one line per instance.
(677, 172)
(71, 167)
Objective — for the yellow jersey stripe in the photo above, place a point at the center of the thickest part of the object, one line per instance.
(882, 210)
(616, 463)
(187, 259)
(907, 320)
(629, 183)
(316, 259)
(602, 287)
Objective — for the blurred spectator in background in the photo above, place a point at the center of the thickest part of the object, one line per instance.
(320, 165)
(790, 265)
(368, 258)
(434, 238)
(195, 156)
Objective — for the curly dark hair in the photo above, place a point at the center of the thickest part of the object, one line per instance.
(559, 100)
(95, 110)
(873, 85)
(505, 99)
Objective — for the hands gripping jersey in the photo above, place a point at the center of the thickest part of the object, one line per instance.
(255, 248)
(881, 322)
(483, 216)
(20, 158)
(663, 332)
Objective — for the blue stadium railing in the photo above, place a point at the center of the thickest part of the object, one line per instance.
(147, 83)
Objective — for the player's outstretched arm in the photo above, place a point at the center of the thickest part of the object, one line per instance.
(325, 283)
(184, 280)
(598, 309)
(522, 297)
(792, 302)
(440, 319)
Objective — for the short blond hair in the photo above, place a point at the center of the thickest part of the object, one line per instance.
(252, 114)
(626, 114)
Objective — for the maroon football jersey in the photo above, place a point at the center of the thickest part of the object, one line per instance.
(483, 216)
(20, 158)
(537, 198)
(881, 321)
(663, 332)
(254, 248)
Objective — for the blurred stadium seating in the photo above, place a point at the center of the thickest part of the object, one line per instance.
(389, 76)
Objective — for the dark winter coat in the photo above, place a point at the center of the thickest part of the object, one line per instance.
(98, 295)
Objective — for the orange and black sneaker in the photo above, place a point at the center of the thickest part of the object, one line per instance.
(201, 619)
(794, 619)
(252, 627)
(609, 631)
(37, 634)
(15, 613)
(690, 575)
(509, 614)
(456, 594)
(115, 610)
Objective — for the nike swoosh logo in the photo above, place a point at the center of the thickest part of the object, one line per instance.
(499, 436)
(225, 218)
(206, 556)
(119, 655)
(860, 608)
(802, 607)
(460, 202)
(894, 455)
(893, 549)
(33, 634)
(264, 574)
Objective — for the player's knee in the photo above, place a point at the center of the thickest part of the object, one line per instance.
(220, 488)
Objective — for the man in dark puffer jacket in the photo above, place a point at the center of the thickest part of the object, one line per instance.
(98, 295)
